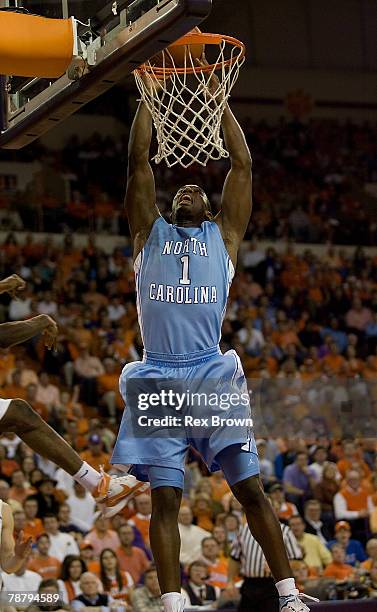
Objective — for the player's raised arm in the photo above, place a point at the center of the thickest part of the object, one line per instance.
(140, 199)
(21, 331)
(236, 202)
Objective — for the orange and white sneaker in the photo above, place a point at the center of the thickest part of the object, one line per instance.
(114, 492)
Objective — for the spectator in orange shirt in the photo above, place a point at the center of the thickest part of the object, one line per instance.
(42, 563)
(108, 387)
(95, 455)
(19, 489)
(219, 486)
(338, 569)
(7, 466)
(87, 555)
(14, 389)
(285, 510)
(33, 525)
(141, 520)
(131, 558)
(217, 566)
(202, 511)
(334, 360)
(352, 460)
(31, 398)
(371, 549)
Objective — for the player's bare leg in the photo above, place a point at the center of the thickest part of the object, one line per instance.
(20, 418)
(265, 528)
(164, 537)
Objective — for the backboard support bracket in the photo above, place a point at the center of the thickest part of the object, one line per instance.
(115, 55)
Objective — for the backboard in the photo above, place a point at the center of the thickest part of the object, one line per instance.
(112, 40)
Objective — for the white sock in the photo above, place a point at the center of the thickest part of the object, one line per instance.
(173, 602)
(286, 587)
(88, 477)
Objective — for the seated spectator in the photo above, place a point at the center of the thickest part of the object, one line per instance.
(101, 536)
(219, 533)
(23, 580)
(218, 486)
(108, 387)
(90, 596)
(307, 581)
(354, 550)
(19, 519)
(313, 522)
(115, 582)
(319, 462)
(283, 509)
(87, 555)
(371, 549)
(141, 520)
(147, 597)
(196, 590)
(217, 566)
(73, 567)
(15, 506)
(42, 561)
(14, 389)
(338, 569)
(352, 460)
(132, 559)
(95, 455)
(191, 536)
(19, 489)
(326, 489)
(47, 393)
(358, 317)
(88, 368)
(351, 504)
(33, 525)
(315, 552)
(62, 544)
(31, 398)
(82, 506)
(47, 588)
(203, 512)
(45, 496)
(298, 479)
(232, 524)
(7, 466)
(66, 523)
(267, 473)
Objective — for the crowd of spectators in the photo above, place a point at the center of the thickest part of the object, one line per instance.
(309, 183)
(305, 328)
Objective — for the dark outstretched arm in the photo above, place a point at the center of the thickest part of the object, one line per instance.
(21, 331)
(236, 203)
(140, 199)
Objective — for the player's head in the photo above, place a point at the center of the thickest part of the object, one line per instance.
(191, 204)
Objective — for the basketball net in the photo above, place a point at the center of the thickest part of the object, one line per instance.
(186, 113)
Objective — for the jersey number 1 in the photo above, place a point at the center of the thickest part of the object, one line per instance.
(185, 280)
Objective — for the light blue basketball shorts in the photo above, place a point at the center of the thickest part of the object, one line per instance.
(173, 402)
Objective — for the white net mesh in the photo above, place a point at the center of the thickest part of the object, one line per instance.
(186, 113)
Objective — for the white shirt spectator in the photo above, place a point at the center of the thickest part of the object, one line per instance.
(29, 581)
(116, 311)
(253, 339)
(191, 541)
(49, 308)
(19, 309)
(82, 510)
(62, 544)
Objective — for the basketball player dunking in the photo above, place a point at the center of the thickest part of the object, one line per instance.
(183, 273)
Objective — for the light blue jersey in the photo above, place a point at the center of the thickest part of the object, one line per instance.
(183, 277)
